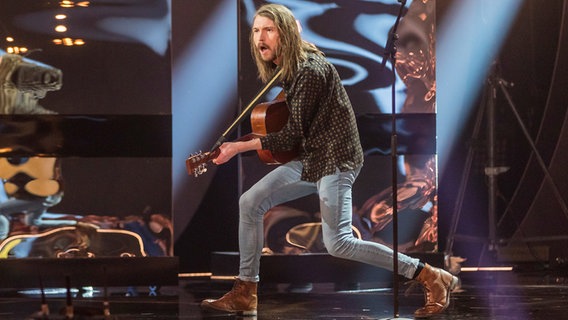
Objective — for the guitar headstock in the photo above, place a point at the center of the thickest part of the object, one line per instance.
(196, 164)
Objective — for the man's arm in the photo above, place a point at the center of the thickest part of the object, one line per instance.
(231, 149)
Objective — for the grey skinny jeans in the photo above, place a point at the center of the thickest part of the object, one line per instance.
(284, 184)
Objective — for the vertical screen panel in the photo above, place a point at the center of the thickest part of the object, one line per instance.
(89, 85)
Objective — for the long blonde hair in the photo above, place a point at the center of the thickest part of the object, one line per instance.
(293, 48)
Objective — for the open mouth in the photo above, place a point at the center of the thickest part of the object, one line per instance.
(263, 48)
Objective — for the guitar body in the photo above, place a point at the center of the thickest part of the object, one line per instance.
(271, 117)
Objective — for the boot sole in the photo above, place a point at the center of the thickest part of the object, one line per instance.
(247, 313)
(211, 308)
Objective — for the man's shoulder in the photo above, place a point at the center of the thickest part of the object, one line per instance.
(317, 58)
(316, 63)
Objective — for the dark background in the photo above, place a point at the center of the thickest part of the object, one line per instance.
(118, 75)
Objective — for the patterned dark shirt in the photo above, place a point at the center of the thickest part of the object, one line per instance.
(322, 122)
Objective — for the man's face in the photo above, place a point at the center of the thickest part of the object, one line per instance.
(266, 39)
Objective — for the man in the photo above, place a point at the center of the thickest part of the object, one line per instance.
(322, 124)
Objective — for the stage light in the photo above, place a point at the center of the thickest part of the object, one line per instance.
(204, 66)
(60, 28)
(468, 40)
(66, 4)
(490, 269)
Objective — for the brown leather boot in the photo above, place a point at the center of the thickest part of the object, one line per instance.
(437, 284)
(242, 299)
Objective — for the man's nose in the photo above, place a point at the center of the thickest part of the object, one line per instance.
(262, 35)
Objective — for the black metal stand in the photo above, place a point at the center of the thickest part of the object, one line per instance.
(390, 53)
(557, 195)
(487, 109)
(494, 82)
(458, 205)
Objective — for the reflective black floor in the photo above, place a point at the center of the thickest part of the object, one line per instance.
(483, 295)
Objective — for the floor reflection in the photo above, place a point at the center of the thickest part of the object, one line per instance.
(483, 295)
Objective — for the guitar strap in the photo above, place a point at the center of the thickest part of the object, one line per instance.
(246, 110)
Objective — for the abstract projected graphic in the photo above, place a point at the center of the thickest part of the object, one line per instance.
(85, 129)
(353, 35)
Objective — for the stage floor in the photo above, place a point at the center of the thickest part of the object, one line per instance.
(501, 295)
